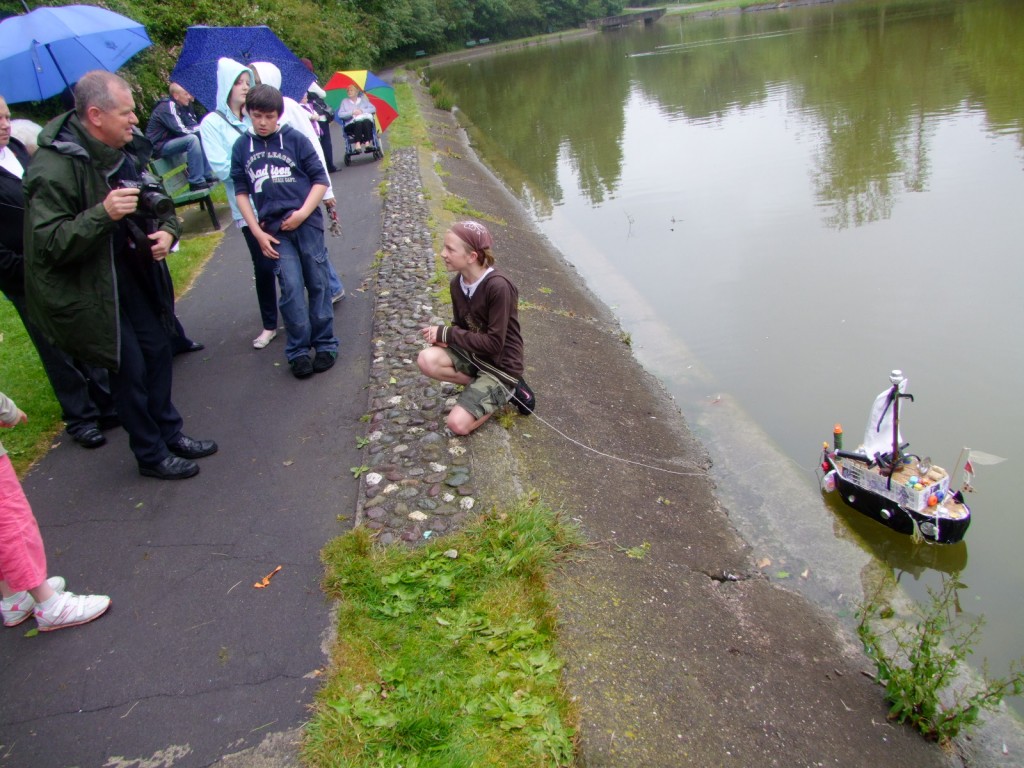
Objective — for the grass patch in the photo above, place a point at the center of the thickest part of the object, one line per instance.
(439, 93)
(25, 382)
(461, 208)
(186, 264)
(409, 130)
(445, 654)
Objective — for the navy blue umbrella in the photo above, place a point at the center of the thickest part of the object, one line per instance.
(49, 49)
(196, 70)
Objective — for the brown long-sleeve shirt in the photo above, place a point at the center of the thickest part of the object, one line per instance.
(487, 325)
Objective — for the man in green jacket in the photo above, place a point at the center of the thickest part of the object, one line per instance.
(92, 281)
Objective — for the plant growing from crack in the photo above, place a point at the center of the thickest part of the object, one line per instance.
(638, 552)
(917, 662)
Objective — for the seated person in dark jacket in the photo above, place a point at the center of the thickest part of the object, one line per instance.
(173, 128)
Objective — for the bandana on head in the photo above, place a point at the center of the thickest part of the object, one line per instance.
(474, 234)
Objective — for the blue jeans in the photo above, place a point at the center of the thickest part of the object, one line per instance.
(198, 167)
(302, 269)
(334, 281)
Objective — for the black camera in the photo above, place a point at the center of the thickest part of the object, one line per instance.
(153, 201)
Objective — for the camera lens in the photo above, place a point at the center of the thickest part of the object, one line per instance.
(156, 203)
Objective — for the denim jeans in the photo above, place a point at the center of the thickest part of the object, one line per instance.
(334, 281)
(302, 269)
(198, 168)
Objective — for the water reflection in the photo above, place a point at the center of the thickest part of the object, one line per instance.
(899, 552)
(794, 204)
(868, 82)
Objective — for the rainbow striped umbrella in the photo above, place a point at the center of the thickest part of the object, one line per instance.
(380, 94)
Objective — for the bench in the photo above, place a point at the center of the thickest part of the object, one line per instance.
(173, 172)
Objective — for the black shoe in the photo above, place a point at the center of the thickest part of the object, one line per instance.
(187, 448)
(523, 397)
(110, 421)
(212, 181)
(302, 367)
(181, 347)
(90, 437)
(324, 361)
(171, 468)
(200, 186)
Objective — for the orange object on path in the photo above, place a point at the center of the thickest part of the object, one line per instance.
(265, 581)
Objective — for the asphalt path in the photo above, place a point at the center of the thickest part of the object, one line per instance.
(192, 662)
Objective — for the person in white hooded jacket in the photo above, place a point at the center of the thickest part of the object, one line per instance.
(220, 130)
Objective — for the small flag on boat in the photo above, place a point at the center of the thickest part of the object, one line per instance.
(980, 458)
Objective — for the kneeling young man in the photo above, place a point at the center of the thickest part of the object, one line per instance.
(483, 349)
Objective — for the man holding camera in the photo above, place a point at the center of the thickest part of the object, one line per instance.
(92, 247)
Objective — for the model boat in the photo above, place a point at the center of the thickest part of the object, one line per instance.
(883, 481)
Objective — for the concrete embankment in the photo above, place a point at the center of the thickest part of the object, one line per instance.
(679, 652)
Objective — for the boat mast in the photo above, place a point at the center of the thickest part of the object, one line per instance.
(897, 379)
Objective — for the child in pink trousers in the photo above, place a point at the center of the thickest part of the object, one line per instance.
(25, 589)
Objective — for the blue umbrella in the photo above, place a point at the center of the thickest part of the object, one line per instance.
(49, 49)
(196, 70)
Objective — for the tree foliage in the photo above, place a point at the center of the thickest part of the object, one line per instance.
(334, 34)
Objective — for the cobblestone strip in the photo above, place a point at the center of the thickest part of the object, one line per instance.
(418, 484)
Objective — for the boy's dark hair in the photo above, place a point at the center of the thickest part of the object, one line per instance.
(264, 98)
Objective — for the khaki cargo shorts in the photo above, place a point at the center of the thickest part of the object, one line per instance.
(485, 394)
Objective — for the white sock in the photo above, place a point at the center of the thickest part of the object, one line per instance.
(49, 602)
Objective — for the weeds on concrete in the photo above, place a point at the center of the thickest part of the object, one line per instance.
(461, 208)
(441, 97)
(409, 130)
(445, 653)
(506, 418)
(638, 552)
(917, 662)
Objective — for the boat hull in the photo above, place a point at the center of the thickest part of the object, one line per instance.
(898, 517)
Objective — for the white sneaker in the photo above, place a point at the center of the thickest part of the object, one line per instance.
(264, 339)
(70, 610)
(338, 296)
(18, 607)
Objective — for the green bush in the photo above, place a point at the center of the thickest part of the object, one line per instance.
(918, 665)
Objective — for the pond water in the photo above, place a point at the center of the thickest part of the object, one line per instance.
(781, 207)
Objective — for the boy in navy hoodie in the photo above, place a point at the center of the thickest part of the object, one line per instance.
(287, 181)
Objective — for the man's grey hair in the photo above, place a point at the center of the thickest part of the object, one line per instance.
(95, 89)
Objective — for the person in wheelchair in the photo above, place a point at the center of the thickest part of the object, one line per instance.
(356, 115)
